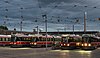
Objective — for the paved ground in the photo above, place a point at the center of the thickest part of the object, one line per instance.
(6, 52)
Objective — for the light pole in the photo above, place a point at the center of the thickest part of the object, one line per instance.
(73, 28)
(37, 30)
(85, 17)
(76, 21)
(21, 20)
(6, 17)
(45, 18)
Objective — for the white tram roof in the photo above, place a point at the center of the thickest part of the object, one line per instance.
(5, 35)
(64, 35)
(85, 35)
(76, 36)
(48, 36)
(57, 36)
(21, 35)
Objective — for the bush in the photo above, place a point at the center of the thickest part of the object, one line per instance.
(3, 27)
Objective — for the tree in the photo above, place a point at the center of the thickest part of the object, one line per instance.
(3, 27)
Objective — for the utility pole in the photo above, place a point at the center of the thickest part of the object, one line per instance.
(21, 23)
(6, 17)
(85, 17)
(73, 29)
(37, 30)
(58, 31)
(45, 18)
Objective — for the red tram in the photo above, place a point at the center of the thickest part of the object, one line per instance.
(40, 41)
(71, 41)
(90, 42)
(20, 40)
(5, 40)
(56, 42)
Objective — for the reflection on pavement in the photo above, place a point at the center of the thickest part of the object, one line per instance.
(70, 53)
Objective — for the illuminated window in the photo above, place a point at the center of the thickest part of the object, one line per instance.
(0, 39)
(6, 39)
(3, 39)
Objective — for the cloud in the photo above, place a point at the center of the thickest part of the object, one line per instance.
(64, 11)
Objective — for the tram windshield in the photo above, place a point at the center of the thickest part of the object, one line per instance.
(71, 39)
(89, 39)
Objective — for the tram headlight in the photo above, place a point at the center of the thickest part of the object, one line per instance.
(85, 44)
(14, 43)
(78, 44)
(89, 44)
(64, 44)
(67, 44)
(61, 44)
(11, 43)
(82, 44)
(31, 43)
(35, 43)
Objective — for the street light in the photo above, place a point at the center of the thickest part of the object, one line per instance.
(76, 21)
(37, 30)
(21, 20)
(45, 18)
(85, 17)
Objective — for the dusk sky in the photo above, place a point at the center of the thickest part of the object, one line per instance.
(61, 14)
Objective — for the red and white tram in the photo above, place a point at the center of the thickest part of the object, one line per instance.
(90, 42)
(41, 41)
(5, 40)
(20, 40)
(70, 41)
(56, 42)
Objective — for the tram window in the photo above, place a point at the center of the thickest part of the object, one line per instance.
(24, 39)
(98, 40)
(3, 39)
(18, 39)
(0, 39)
(36, 39)
(52, 39)
(77, 40)
(27, 39)
(44, 39)
(41, 39)
(57, 39)
(13, 39)
(48, 39)
(8, 39)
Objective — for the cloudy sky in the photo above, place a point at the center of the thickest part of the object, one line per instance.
(61, 14)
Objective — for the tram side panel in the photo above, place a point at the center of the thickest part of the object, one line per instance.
(20, 41)
(41, 42)
(5, 40)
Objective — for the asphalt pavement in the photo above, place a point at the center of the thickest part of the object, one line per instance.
(7, 52)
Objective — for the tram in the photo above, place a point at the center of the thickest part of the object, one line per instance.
(71, 41)
(56, 42)
(20, 40)
(41, 41)
(90, 42)
(5, 40)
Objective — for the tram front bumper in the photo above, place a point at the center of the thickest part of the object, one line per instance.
(40, 45)
(88, 47)
(67, 47)
(15, 45)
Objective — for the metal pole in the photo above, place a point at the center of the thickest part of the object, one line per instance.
(58, 31)
(46, 31)
(21, 20)
(37, 30)
(21, 26)
(85, 22)
(45, 17)
(73, 29)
